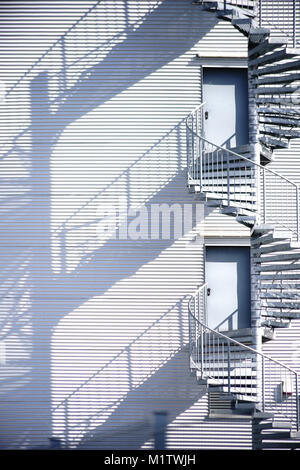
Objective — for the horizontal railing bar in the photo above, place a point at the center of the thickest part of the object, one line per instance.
(197, 108)
(243, 158)
(243, 346)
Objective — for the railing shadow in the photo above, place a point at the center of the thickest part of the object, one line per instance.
(229, 323)
(73, 92)
(51, 286)
(140, 394)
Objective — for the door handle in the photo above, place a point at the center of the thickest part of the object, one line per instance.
(206, 115)
(208, 291)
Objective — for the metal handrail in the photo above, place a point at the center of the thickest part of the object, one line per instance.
(249, 4)
(234, 366)
(242, 182)
(284, 17)
(242, 157)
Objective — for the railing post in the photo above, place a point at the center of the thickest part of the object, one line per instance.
(228, 365)
(201, 353)
(190, 336)
(228, 180)
(187, 149)
(263, 383)
(260, 13)
(205, 306)
(200, 162)
(294, 23)
(297, 210)
(193, 149)
(297, 402)
(264, 196)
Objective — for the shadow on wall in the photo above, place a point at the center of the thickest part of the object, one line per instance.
(170, 389)
(36, 296)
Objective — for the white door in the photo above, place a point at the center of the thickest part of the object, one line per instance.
(227, 272)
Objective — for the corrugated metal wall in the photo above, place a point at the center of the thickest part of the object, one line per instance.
(94, 328)
(286, 346)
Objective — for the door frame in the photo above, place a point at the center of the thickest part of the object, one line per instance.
(230, 242)
(217, 64)
(221, 65)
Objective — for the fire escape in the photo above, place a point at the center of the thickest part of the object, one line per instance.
(241, 379)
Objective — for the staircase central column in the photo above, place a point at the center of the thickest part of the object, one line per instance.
(255, 156)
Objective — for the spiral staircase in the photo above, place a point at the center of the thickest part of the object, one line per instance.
(242, 381)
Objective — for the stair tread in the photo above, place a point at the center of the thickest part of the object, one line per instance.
(286, 276)
(275, 424)
(262, 229)
(276, 56)
(279, 295)
(262, 415)
(292, 65)
(274, 287)
(276, 143)
(270, 239)
(237, 184)
(236, 9)
(257, 34)
(275, 90)
(278, 267)
(279, 131)
(268, 45)
(236, 370)
(282, 100)
(282, 315)
(282, 121)
(222, 195)
(278, 247)
(276, 324)
(277, 257)
(286, 78)
(279, 111)
(216, 415)
(280, 445)
(246, 392)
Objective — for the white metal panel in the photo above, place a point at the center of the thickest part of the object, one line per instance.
(232, 44)
(93, 327)
(286, 346)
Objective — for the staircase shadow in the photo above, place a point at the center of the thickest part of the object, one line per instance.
(171, 389)
(50, 297)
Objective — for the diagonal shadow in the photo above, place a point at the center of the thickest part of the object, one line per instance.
(171, 389)
(120, 69)
(49, 304)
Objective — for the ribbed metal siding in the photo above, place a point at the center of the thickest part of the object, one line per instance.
(286, 346)
(93, 329)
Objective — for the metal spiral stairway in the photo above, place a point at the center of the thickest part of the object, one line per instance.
(241, 380)
(274, 70)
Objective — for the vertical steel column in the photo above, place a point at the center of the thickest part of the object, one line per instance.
(255, 275)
